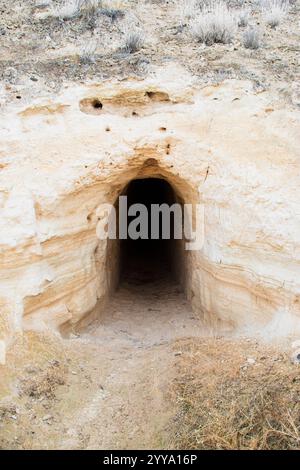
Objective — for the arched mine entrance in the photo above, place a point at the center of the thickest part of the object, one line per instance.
(147, 274)
(154, 255)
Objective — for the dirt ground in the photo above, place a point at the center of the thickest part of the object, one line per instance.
(105, 388)
(141, 377)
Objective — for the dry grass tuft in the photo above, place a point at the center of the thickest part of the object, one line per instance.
(186, 10)
(227, 402)
(251, 38)
(274, 11)
(43, 383)
(134, 38)
(215, 24)
(88, 51)
(71, 9)
(243, 17)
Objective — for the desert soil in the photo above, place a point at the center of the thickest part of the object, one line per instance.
(107, 387)
(40, 54)
(147, 375)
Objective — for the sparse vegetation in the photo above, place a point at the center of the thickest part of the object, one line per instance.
(251, 38)
(58, 30)
(112, 13)
(228, 402)
(274, 11)
(91, 6)
(215, 24)
(69, 10)
(73, 8)
(243, 17)
(134, 39)
(187, 10)
(87, 54)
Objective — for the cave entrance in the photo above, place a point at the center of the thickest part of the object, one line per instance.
(149, 260)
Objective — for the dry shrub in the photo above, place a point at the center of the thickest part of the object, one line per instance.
(186, 10)
(43, 383)
(224, 402)
(134, 38)
(243, 17)
(88, 52)
(68, 10)
(251, 38)
(215, 24)
(71, 9)
(274, 11)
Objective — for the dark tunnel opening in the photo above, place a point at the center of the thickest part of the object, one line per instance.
(147, 260)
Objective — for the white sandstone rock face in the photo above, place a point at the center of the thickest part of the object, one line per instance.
(2, 353)
(224, 146)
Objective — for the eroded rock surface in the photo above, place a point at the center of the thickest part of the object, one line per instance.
(226, 146)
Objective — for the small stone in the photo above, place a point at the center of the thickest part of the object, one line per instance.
(54, 363)
(296, 344)
(178, 353)
(47, 417)
(41, 4)
(31, 370)
(295, 357)
(251, 360)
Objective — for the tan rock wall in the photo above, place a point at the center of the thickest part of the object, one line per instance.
(234, 151)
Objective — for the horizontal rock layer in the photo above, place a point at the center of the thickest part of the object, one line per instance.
(234, 151)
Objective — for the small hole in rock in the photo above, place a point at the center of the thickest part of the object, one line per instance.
(134, 113)
(107, 129)
(90, 106)
(18, 97)
(158, 96)
(163, 129)
(97, 104)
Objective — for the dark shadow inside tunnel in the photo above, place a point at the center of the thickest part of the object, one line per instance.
(145, 260)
